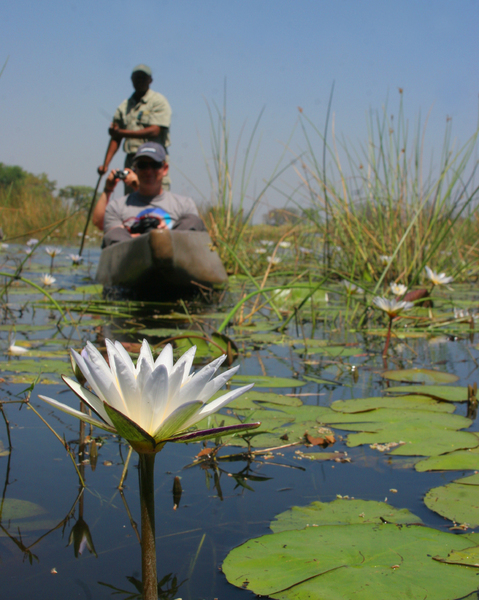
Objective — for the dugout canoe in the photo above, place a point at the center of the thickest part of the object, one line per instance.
(162, 263)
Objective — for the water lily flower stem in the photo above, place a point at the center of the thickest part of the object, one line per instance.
(388, 337)
(147, 505)
(37, 287)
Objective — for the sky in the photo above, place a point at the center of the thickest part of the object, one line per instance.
(68, 67)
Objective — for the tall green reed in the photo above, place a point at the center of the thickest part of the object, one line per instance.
(382, 200)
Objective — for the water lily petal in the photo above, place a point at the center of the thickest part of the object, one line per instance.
(215, 384)
(187, 358)
(155, 398)
(215, 405)
(176, 420)
(145, 363)
(90, 399)
(100, 379)
(125, 356)
(195, 385)
(128, 389)
(79, 415)
(165, 358)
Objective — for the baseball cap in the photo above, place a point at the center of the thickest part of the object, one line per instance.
(153, 150)
(143, 68)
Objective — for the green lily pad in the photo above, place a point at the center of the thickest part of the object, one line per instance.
(461, 460)
(446, 393)
(31, 366)
(341, 512)
(253, 400)
(14, 509)
(397, 402)
(457, 501)
(360, 561)
(265, 381)
(420, 375)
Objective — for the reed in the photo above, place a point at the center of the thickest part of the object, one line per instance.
(384, 201)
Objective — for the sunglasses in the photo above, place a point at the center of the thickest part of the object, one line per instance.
(144, 165)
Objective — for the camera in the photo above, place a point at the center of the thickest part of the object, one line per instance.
(121, 174)
(144, 224)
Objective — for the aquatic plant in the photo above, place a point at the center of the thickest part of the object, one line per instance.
(48, 279)
(149, 404)
(438, 278)
(392, 308)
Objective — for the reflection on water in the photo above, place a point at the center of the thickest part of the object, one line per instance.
(204, 506)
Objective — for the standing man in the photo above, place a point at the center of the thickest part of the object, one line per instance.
(144, 117)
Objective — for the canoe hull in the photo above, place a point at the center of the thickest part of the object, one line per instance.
(162, 261)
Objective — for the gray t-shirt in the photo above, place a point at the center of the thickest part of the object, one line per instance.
(123, 211)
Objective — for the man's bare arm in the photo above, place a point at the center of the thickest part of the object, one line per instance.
(151, 131)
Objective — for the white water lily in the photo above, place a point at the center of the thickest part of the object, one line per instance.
(438, 278)
(274, 260)
(53, 251)
(385, 260)
(351, 288)
(76, 258)
(284, 244)
(47, 279)
(32, 242)
(392, 307)
(398, 289)
(155, 401)
(28, 251)
(13, 349)
(260, 251)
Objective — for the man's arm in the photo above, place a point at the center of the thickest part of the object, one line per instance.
(152, 131)
(98, 216)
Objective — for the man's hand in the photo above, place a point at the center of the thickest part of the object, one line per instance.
(102, 169)
(162, 224)
(132, 179)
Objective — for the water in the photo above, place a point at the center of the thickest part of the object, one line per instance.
(193, 540)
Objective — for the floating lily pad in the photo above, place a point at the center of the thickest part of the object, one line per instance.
(447, 393)
(360, 561)
(341, 512)
(13, 508)
(253, 400)
(420, 375)
(397, 402)
(461, 460)
(457, 501)
(32, 366)
(265, 381)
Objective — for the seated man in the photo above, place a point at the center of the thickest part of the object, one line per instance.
(150, 206)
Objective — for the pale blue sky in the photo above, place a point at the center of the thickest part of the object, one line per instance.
(70, 62)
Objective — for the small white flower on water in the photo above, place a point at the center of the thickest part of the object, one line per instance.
(285, 244)
(4, 246)
(79, 234)
(32, 242)
(398, 289)
(305, 250)
(13, 349)
(392, 307)
(438, 278)
(351, 288)
(76, 258)
(385, 260)
(28, 251)
(260, 250)
(150, 403)
(53, 251)
(266, 242)
(47, 279)
(274, 260)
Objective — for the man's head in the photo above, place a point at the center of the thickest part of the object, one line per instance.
(141, 79)
(149, 163)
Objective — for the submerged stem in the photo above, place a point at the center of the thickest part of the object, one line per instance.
(388, 337)
(148, 548)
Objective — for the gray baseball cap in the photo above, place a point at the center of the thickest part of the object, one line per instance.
(143, 68)
(153, 150)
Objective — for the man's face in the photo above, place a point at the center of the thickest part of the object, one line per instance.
(150, 172)
(141, 81)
